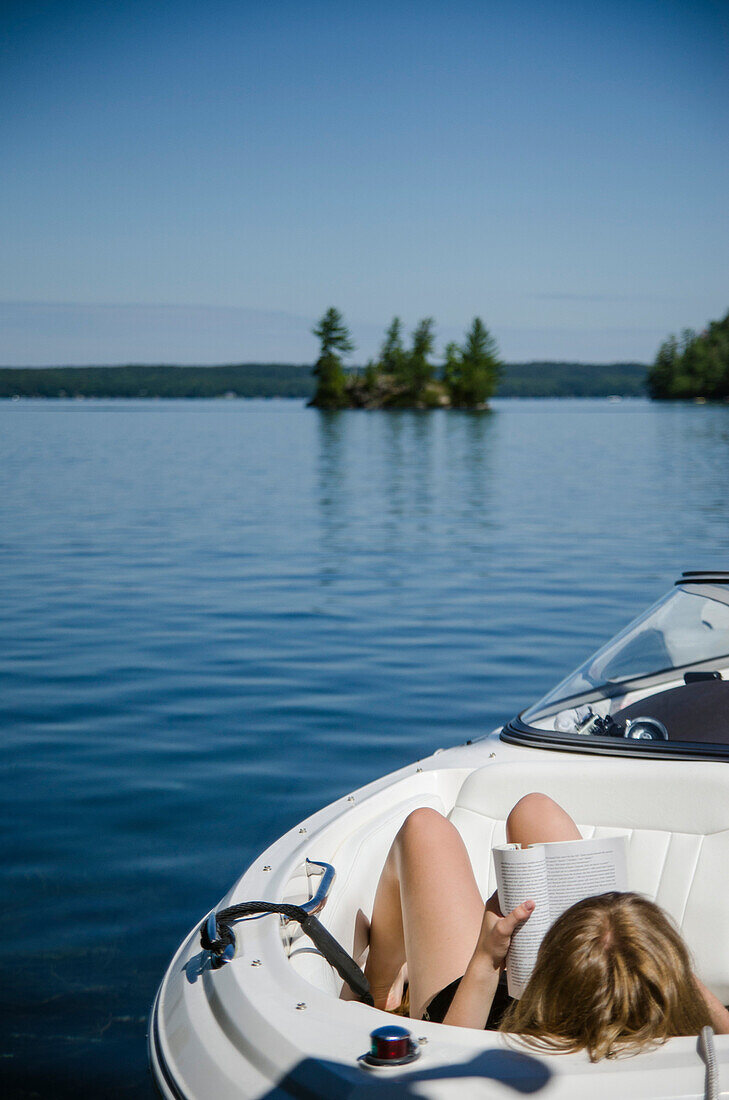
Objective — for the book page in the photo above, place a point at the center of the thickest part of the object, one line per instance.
(521, 874)
(577, 869)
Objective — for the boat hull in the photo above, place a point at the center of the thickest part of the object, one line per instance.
(270, 1022)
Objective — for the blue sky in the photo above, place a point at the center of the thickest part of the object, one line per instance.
(196, 182)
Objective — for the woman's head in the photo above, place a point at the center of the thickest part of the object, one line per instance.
(612, 975)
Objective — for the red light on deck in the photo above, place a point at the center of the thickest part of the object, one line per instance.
(389, 1043)
(390, 1046)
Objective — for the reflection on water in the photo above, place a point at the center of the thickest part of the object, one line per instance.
(216, 617)
(689, 442)
(401, 479)
(332, 471)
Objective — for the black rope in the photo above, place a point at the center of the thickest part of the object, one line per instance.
(225, 917)
(332, 951)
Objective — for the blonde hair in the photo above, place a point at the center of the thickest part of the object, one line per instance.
(612, 976)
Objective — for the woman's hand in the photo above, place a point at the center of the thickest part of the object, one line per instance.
(471, 1005)
(496, 930)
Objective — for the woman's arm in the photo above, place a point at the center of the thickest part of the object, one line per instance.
(475, 994)
(718, 1013)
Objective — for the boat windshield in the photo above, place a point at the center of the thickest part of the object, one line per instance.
(688, 627)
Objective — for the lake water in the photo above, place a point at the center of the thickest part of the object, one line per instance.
(217, 617)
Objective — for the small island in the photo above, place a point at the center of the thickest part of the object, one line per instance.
(405, 378)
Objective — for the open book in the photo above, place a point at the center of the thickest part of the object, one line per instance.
(554, 876)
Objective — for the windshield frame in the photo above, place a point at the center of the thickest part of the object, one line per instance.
(517, 732)
(522, 732)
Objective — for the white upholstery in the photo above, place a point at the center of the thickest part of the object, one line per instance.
(675, 814)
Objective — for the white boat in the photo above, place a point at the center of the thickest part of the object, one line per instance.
(635, 741)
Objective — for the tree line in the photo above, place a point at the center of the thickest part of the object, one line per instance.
(548, 378)
(693, 365)
(536, 379)
(141, 381)
(405, 377)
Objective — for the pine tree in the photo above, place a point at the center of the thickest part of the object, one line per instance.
(392, 352)
(662, 373)
(335, 342)
(417, 370)
(333, 333)
(452, 366)
(473, 373)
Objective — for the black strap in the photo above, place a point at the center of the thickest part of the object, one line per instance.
(332, 951)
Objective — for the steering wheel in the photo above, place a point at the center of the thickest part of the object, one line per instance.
(645, 729)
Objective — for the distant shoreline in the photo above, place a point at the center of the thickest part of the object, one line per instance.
(534, 379)
(81, 398)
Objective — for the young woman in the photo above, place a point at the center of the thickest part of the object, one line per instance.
(612, 975)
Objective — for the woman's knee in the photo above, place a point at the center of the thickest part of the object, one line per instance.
(421, 827)
(532, 810)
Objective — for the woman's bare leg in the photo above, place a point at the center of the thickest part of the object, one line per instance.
(427, 911)
(537, 819)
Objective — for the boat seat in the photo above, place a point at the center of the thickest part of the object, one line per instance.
(676, 818)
